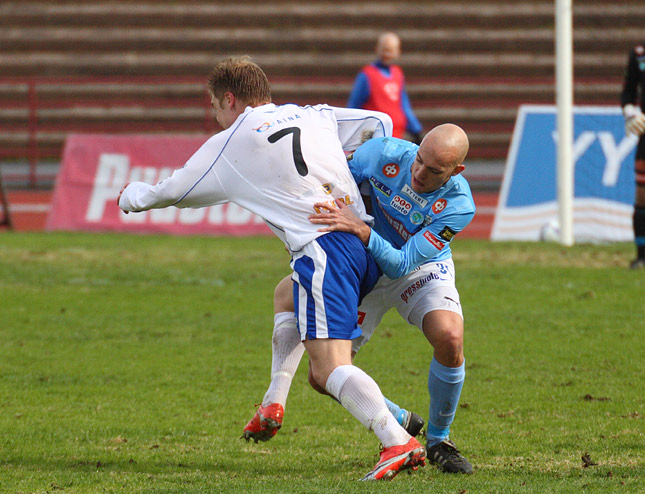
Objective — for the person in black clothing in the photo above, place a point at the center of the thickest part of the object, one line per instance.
(633, 103)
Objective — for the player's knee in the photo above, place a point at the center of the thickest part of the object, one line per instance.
(314, 383)
(448, 343)
(283, 296)
(454, 343)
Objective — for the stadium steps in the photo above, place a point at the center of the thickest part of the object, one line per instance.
(467, 61)
(123, 39)
(122, 108)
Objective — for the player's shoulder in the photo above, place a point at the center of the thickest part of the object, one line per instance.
(460, 196)
(389, 148)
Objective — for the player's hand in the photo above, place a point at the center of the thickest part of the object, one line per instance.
(340, 219)
(635, 125)
(118, 199)
(634, 120)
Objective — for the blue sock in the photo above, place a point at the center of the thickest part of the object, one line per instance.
(444, 386)
(400, 414)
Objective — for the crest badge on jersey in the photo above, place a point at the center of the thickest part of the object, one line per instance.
(439, 206)
(391, 170)
(416, 218)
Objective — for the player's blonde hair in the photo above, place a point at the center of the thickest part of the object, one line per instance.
(242, 77)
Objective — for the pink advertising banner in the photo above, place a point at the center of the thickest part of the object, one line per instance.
(95, 168)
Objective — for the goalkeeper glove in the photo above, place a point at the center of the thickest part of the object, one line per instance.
(634, 120)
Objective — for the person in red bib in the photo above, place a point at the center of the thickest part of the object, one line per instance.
(380, 86)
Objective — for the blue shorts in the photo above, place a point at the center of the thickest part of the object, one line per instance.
(331, 275)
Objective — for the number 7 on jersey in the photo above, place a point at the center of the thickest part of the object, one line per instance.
(299, 161)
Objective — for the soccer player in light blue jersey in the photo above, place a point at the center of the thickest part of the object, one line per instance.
(419, 202)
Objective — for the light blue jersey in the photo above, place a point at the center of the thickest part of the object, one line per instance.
(410, 229)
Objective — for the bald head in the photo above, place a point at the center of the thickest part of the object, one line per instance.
(388, 47)
(439, 157)
(448, 143)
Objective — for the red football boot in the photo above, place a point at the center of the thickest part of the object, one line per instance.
(395, 459)
(265, 423)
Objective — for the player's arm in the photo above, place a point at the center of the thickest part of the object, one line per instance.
(357, 126)
(394, 263)
(413, 126)
(193, 185)
(629, 94)
(634, 118)
(360, 91)
(422, 247)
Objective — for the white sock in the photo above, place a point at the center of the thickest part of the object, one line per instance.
(287, 350)
(361, 396)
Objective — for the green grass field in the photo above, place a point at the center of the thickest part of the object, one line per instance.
(131, 364)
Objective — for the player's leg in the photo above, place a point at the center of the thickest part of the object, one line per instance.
(332, 369)
(330, 274)
(287, 350)
(444, 331)
(639, 207)
(429, 299)
(410, 421)
(370, 313)
(359, 394)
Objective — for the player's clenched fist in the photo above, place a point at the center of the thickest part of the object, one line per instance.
(634, 120)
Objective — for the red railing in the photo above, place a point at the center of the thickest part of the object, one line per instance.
(37, 113)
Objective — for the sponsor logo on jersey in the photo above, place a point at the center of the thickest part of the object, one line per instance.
(391, 170)
(447, 233)
(433, 240)
(412, 289)
(380, 186)
(427, 220)
(416, 198)
(397, 225)
(416, 218)
(269, 125)
(439, 206)
(327, 188)
(401, 205)
(332, 204)
(350, 157)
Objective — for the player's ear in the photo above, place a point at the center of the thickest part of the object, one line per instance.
(458, 169)
(228, 100)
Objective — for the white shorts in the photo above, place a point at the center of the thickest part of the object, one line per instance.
(427, 288)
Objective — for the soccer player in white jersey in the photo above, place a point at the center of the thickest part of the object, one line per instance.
(277, 162)
(419, 202)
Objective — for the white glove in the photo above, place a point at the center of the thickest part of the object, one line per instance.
(634, 120)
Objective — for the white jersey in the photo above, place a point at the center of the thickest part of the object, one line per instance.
(275, 161)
